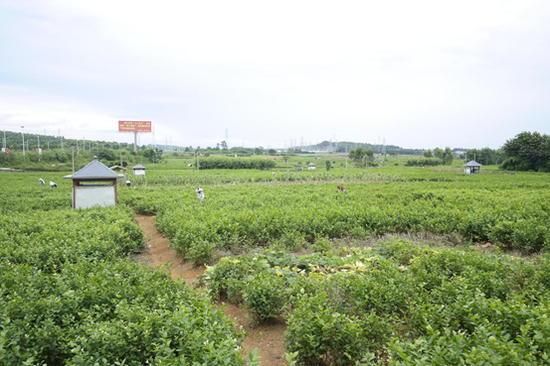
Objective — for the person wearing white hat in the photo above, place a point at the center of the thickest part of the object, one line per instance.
(200, 194)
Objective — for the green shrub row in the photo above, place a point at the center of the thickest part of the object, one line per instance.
(295, 215)
(424, 162)
(47, 240)
(70, 293)
(207, 177)
(108, 313)
(398, 304)
(236, 163)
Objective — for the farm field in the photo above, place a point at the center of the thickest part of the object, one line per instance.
(70, 294)
(286, 245)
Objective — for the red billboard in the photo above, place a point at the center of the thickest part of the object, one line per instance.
(134, 126)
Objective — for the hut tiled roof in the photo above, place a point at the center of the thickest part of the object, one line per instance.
(139, 166)
(94, 170)
(117, 167)
(472, 163)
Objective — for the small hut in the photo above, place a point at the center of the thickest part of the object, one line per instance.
(118, 168)
(311, 166)
(472, 167)
(94, 185)
(139, 170)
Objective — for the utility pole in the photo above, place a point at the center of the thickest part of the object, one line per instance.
(198, 164)
(23, 136)
(346, 156)
(72, 153)
(61, 138)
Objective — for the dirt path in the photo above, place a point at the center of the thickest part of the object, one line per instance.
(269, 339)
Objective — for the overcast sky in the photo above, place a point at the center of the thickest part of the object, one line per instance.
(420, 74)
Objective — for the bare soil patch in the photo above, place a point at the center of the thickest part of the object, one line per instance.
(160, 253)
(268, 338)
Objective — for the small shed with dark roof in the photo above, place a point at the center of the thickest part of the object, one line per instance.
(94, 185)
(472, 167)
(118, 168)
(139, 170)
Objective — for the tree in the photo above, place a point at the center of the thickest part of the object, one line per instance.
(527, 151)
(154, 155)
(428, 154)
(486, 156)
(438, 153)
(328, 165)
(108, 155)
(448, 156)
(361, 157)
(224, 145)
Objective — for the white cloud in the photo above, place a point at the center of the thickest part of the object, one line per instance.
(418, 73)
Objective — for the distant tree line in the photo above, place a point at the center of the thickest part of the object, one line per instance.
(14, 141)
(445, 157)
(346, 146)
(527, 151)
(57, 151)
(221, 149)
(485, 156)
(222, 162)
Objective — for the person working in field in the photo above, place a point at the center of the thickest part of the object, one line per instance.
(200, 194)
(341, 188)
(41, 181)
(53, 185)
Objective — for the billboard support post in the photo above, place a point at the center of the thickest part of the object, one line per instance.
(135, 127)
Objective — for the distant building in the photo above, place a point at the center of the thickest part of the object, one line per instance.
(472, 167)
(139, 169)
(118, 169)
(94, 185)
(311, 166)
